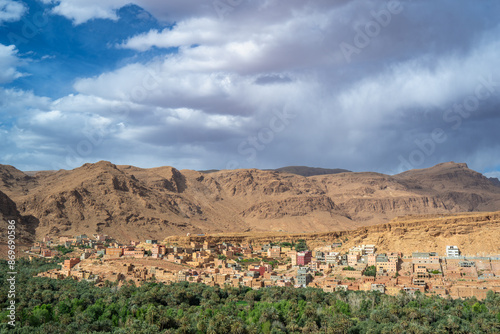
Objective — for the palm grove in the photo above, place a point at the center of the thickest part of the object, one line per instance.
(67, 306)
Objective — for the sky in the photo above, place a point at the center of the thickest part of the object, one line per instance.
(381, 86)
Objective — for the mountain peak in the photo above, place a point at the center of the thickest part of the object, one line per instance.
(452, 164)
(100, 164)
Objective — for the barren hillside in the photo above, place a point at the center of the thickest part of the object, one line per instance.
(473, 233)
(129, 202)
(25, 226)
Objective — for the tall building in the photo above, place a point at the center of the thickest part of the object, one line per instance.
(293, 257)
(303, 276)
(452, 251)
(303, 258)
(274, 252)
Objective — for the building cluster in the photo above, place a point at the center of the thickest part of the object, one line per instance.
(47, 247)
(260, 266)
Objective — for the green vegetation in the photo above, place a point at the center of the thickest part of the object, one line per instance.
(251, 260)
(300, 245)
(286, 244)
(63, 250)
(371, 271)
(272, 262)
(66, 306)
(435, 272)
(222, 257)
(349, 268)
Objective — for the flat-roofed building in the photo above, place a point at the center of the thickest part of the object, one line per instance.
(452, 251)
(352, 259)
(377, 287)
(68, 264)
(303, 258)
(114, 252)
(274, 252)
(384, 265)
(332, 258)
(467, 264)
(159, 249)
(369, 249)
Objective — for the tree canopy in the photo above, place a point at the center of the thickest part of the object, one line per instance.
(67, 306)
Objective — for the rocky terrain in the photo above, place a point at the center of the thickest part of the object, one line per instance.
(25, 225)
(297, 170)
(473, 233)
(133, 203)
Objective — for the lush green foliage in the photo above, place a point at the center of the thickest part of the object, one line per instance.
(63, 250)
(370, 271)
(250, 260)
(300, 245)
(66, 306)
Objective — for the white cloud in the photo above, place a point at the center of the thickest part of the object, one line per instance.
(194, 108)
(11, 11)
(419, 84)
(8, 64)
(17, 102)
(211, 94)
(493, 174)
(81, 11)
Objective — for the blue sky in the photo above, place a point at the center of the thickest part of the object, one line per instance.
(364, 85)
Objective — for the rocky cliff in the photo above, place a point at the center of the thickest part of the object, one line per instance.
(25, 225)
(474, 234)
(128, 202)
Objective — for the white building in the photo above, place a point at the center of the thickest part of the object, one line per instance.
(452, 251)
(332, 257)
(369, 249)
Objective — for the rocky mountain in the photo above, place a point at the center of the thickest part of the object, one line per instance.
(310, 171)
(297, 170)
(25, 225)
(129, 202)
(495, 181)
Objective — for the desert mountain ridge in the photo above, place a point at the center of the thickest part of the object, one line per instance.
(128, 202)
(297, 170)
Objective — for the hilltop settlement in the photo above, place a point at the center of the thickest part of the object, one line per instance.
(104, 261)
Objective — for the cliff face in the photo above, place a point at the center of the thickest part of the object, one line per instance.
(473, 233)
(25, 226)
(129, 202)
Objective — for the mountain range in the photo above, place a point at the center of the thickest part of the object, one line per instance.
(128, 202)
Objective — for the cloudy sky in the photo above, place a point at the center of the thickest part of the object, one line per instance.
(365, 85)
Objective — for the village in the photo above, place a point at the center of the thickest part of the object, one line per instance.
(103, 261)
